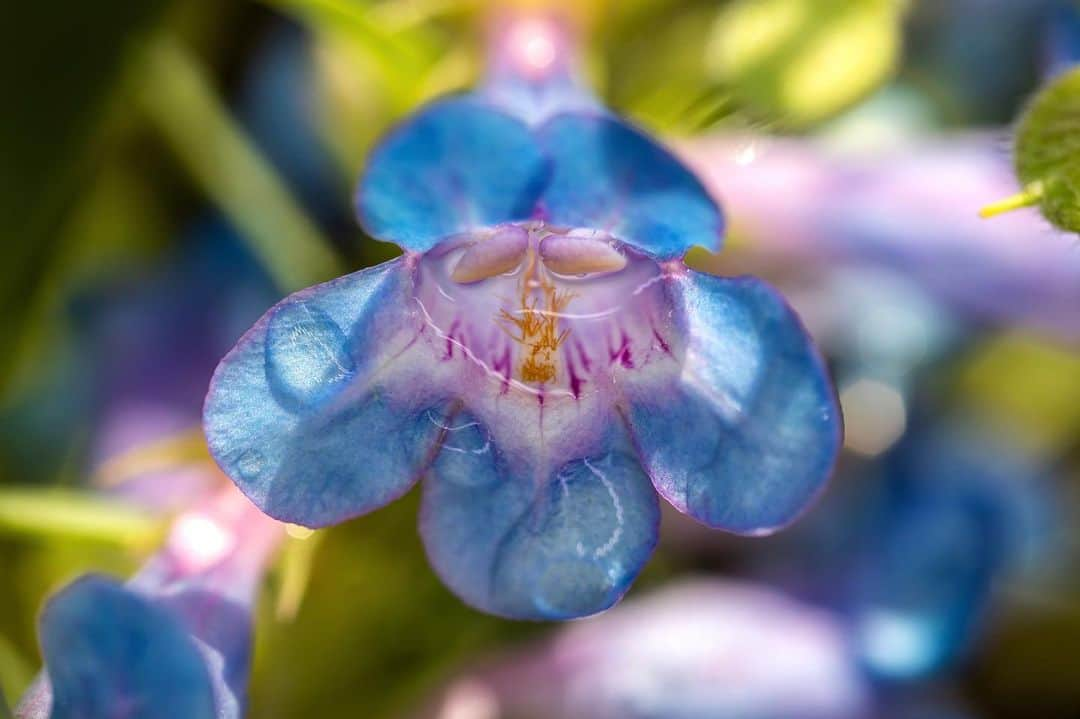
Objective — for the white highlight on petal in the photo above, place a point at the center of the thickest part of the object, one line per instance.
(470, 699)
(874, 416)
(493, 256)
(198, 541)
(604, 550)
(577, 255)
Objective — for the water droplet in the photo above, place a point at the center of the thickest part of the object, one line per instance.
(250, 464)
(306, 355)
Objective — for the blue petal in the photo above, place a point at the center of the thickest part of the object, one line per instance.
(110, 652)
(224, 627)
(746, 433)
(924, 592)
(609, 176)
(456, 165)
(954, 519)
(321, 412)
(528, 543)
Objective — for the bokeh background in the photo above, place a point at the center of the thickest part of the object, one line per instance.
(170, 168)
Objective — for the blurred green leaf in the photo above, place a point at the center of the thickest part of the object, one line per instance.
(178, 97)
(801, 61)
(1048, 153)
(377, 630)
(656, 71)
(58, 67)
(117, 223)
(15, 675)
(1030, 388)
(400, 57)
(76, 515)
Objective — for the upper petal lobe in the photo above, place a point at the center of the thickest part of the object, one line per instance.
(608, 175)
(457, 165)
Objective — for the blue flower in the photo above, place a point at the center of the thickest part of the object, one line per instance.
(912, 548)
(958, 512)
(111, 651)
(540, 355)
(175, 641)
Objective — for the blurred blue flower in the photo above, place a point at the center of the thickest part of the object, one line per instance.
(175, 641)
(539, 352)
(956, 514)
(912, 549)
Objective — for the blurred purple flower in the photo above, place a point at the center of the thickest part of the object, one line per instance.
(540, 353)
(911, 209)
(175, 641)
(704, 649)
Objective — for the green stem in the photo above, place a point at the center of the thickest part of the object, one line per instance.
(1030, 195)
(75, 514)
(178, 97)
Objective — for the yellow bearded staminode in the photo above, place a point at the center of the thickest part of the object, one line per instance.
(538, 327)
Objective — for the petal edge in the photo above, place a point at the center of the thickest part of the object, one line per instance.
(744, 435)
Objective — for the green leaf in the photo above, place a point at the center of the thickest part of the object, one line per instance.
(401, 58)
(655, 68)
(15, 675)
(179, 98)
(800, 61)
(1048, 152)
(58, 68)
(5, 711)
(1029, 389)
(77, 515)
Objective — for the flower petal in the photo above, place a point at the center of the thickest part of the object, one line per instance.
(744, 434)
(454, 166)
(610, 176)
(528, 538)
(321, 412)
(109, 651)
(958, 512)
